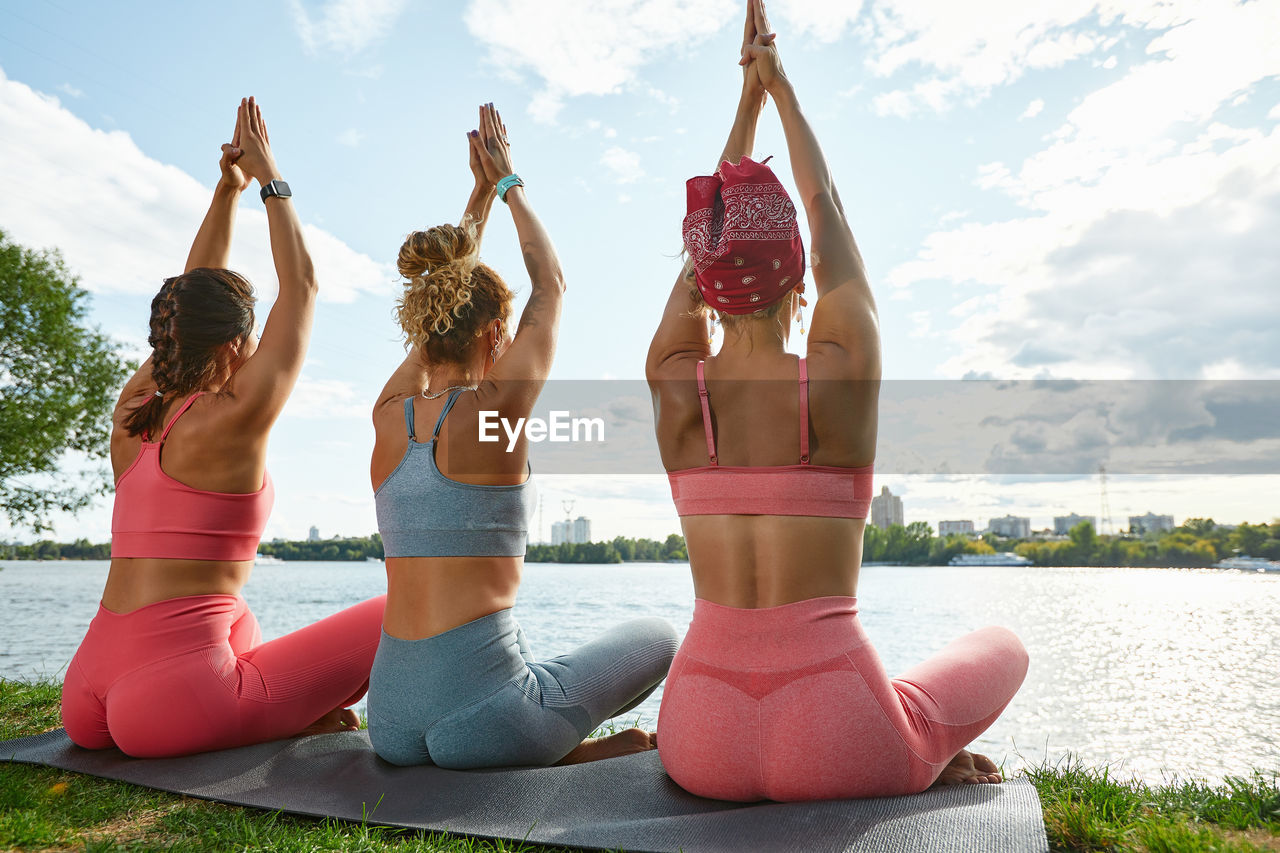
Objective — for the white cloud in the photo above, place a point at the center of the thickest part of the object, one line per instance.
(1274, 113)
(955, 54)
(345, 26)
(351, 137)
(322, 399)
(1033, 109)
(921, 326)
(823, 20)
(1141, 253)
(68, 89)
(125, 221)
(588, 48)
(624, 164)
(968, 53)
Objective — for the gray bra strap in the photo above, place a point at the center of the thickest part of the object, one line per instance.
(408, 414)
(453, 398)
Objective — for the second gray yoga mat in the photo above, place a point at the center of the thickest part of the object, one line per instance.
(626, 803)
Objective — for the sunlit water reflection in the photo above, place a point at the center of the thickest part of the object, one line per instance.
(1164, 670)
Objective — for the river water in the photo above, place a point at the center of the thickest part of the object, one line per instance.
(1156, 672)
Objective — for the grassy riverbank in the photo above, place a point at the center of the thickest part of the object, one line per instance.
(1085, 809)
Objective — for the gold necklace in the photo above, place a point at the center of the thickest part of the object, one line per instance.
(444, 391)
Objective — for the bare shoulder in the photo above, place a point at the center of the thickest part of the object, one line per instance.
(676, 368)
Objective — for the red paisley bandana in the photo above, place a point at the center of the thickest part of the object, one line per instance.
(742, 234)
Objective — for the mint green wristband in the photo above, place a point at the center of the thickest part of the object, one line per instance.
(504, 184)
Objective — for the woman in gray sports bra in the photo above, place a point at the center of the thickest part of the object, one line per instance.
(454, 682)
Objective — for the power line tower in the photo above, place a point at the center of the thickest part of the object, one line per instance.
(568, 509)
(1104, 520)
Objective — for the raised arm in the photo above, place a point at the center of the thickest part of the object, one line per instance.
(212, 246)
(742, 136)
(845, 315)
(683, 331)
(263, 384)
(527, 361)
(483, 192)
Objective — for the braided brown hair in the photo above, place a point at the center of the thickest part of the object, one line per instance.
(451, 296)
(192, 315)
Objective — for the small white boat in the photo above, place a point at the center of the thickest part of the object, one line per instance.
(266, 559)
(1003, 558)
(1246, 563)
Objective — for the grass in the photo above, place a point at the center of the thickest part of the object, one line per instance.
(1085, 809)
(1089, 809)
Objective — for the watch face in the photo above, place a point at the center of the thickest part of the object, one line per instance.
(281, 189)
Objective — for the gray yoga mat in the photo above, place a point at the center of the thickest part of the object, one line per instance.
(625, 803)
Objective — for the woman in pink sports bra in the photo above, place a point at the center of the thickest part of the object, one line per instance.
(173, 662)
(776, 692)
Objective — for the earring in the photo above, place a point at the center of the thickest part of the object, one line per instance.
(493, 355)
(800, 313)
(711, 330)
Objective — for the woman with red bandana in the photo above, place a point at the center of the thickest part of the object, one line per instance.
(776, 692)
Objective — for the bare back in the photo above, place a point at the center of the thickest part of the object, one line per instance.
(763, 561)
(203, 453)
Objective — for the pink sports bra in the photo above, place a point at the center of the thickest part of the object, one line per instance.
(825, 491)
(156, 516)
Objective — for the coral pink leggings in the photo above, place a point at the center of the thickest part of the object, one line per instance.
(792, 703)
(192, 674)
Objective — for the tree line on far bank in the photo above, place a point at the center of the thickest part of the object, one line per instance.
(354, 549)
(1197, 542)
(617, 550)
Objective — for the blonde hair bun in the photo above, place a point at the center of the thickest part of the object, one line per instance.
(450, 296)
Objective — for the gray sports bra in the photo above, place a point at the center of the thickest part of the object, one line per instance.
(423, 513)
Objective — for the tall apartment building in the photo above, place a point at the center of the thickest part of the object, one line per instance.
(572, 532)
(886, 509)
(1013, 526)
(313, 535)
(947, 528)
(1062, 524)
(1150, 523)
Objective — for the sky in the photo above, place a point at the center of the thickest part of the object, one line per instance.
(1080, 189)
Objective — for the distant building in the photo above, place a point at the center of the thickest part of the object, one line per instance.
(947, 528)
(1150, 523)
(313, 535)
(1062, 524)
(569, 532)
(886, 509)
(558, 532)
(1012, 526)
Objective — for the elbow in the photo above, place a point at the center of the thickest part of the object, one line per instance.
(549, 281)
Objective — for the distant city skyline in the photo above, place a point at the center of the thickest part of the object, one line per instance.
(1031, 201)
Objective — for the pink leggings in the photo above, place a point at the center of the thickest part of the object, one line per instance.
(192, 674)
(792, 703)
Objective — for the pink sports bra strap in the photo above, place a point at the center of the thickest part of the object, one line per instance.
(804, 413)
(704, 398)
(174, 419)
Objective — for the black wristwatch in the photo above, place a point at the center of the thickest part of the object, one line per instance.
(279, 189)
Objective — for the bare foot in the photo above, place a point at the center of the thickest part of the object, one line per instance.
(624, 742)
(337, 720)
(968, 768)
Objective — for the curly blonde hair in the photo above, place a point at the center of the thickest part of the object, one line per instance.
(450, 297)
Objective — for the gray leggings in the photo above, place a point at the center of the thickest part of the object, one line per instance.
(474, 697)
